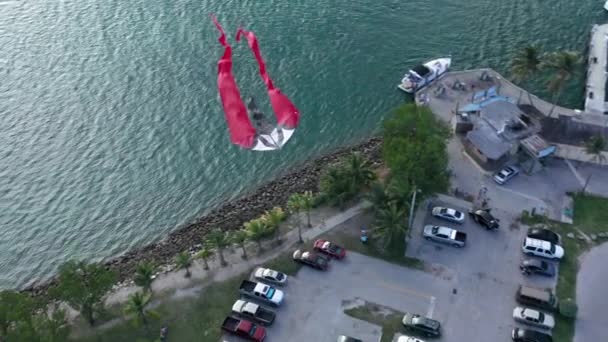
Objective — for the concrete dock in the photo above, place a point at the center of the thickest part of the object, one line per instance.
(567, 128)
(595, 90)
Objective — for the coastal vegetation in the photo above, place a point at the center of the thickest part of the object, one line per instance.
(590, 217)
(183, 261)
(136, 309)
(560, 67)
(84, 286)
(144, 275)
(23, 318)
(526, 64)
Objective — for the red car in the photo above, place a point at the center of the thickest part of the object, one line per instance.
(329, 248)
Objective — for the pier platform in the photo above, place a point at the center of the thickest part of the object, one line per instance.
(596, 95)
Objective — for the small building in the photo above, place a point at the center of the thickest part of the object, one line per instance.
(498, 125)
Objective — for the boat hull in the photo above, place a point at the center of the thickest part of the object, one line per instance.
(413, 82)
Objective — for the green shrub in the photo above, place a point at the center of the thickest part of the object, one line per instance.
(568, 308)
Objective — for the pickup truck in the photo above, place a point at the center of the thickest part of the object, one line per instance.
(260, 291)
(445, 235)
(253, 312)
(244, 329)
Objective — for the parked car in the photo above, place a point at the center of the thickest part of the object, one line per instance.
(343, 338)
(270, 276)
(405, 338)
(252, 311)
(542, 248)
(526, 335)
(485, 218)
(533, 317)
(543, 299)
(445, 235)
(448, 214)
(244, 329)
(329, 248)
(311, 259)
(506, 174)
(423, 325)
(262, 292)
(544, 234)
(535, 266)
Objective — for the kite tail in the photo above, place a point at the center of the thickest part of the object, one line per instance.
(285, 111)
(242, 132)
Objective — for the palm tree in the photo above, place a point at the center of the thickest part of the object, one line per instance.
(564, 66)
(184, 261)
(273, 219)
(307, 202)
(136, 306)
(144, 275)
(390, 224)
(219, 240)
(294, 203)
(378, 196)
(256, 229)
(336, 186)
(204, 254)
(240, 237)
(359, 173)
(595, 147)
(526, 63)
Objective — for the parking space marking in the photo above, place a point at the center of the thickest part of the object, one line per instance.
(431, 311)
(521, 194)
(405, 290)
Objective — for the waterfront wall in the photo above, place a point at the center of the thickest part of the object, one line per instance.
(231, 215)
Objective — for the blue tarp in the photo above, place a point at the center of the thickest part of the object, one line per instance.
(474, 107)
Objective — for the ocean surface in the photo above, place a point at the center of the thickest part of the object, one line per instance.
(111, 129)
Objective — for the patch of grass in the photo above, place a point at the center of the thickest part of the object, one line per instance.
(284, 263)
(390, 321)
(590, 216)
(591, 213)
(395, 254)
(189, 319)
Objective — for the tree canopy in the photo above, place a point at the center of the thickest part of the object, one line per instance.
(415, 150)
(83, 286)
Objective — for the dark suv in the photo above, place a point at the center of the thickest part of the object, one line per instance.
(484, 218)
(524, 335)
(423, 325)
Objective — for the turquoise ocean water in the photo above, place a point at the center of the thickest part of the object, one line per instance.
(111, 129)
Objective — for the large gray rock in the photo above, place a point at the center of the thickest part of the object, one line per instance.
(570, 235)
(593, 236)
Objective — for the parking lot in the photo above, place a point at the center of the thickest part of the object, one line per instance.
(486, 274)
(315, 300)
(470, 290)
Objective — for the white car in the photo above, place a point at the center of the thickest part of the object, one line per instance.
(533, 317)
(449, 214)
(270, 276)
(405, 338)
(542, 248)
(505, 174)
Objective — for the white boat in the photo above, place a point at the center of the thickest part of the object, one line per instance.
(423, 74)
(606, 5)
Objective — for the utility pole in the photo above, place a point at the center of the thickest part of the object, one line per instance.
(412, 205)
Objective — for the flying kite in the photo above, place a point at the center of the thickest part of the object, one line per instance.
(264, 136)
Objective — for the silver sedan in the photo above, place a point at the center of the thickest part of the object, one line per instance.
(448, 214)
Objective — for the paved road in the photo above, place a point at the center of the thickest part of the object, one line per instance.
(592, 296)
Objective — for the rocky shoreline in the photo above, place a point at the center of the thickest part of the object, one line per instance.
(231, 215)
